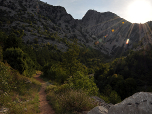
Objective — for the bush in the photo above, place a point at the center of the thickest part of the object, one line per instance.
(81, 81)
(16, 89)
(19, 61)
(70, 101)
(11, 80)
(13, 41)
(55, 73)
(50, 87)
(4, 78)
(114, 97)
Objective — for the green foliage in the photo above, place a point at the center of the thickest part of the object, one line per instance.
(32, 54)
(12, 80)
(14, 89)
(70, 59)
(107, 90)
(126, 75)
(81, 81)
(19, 61)
(55, 73)
(69, 101)
(1, 54)
(114, 97)
(4, 77)
(131, 86)
(3, 38)
(13, 41)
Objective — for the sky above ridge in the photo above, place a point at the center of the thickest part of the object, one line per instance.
(135, 11)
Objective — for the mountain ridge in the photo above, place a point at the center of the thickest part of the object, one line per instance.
(105, 31)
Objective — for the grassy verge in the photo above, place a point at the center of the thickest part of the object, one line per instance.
(27, 104)
(18, 94)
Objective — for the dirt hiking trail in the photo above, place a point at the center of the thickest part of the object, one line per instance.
(45, 108)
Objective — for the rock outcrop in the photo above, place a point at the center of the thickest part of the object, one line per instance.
(98, 110)
(139, 103)
(102, 107)
(101, 102)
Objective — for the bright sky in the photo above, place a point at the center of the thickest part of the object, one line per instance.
(135, 11)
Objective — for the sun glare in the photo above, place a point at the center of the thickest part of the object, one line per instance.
(139, 11)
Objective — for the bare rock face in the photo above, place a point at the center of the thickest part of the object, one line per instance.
(139, 103)
(98, 110)
(104, 31)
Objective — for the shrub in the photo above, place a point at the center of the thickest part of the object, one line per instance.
(4, 77)
(70, 101)
(81, 81)
(114, 97)
(11, 80)
(16, 89)
(50, 88)
(13, 41)
(19, 61)
(55, 73)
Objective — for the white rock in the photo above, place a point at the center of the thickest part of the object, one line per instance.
(4, 110)
(25, 109)
(98, 110)
(139, 103)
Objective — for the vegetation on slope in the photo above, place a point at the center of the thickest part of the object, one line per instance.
(126, 75)
(18, 93)
(69, 71)
(62, 68)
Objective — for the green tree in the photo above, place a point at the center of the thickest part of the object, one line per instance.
(114, 97)
(13, 41)
(19, 61)
(107, 90)
(82, 81)
(14, 57)
(3, 38)
(120, 88)
(70, 59)
(55, 72)
(131, 86)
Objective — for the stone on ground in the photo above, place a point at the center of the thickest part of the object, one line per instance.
(98, 110)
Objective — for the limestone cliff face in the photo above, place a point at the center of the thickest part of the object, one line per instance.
(104, 31)
(112, 31)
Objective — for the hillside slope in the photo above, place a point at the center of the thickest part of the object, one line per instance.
(43, 23)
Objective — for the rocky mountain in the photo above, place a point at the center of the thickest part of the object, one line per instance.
(46, 24)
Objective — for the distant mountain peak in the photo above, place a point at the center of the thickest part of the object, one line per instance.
(104, 31)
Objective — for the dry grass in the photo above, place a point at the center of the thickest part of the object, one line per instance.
(18, 93)
(69, 101)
